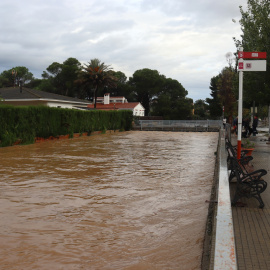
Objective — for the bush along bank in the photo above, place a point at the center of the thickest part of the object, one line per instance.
(27, 123)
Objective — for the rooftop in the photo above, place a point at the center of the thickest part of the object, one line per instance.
(14, 93)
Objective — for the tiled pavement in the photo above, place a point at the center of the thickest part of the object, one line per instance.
(252, 224)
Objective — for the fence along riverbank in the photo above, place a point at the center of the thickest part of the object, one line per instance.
(178, 125)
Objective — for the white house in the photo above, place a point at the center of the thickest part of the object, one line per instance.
(120, 103)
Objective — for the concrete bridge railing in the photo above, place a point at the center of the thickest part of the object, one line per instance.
(178, 125)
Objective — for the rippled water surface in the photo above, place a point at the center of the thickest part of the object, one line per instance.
(131, 200)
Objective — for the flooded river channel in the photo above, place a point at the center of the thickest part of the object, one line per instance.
(133, 200)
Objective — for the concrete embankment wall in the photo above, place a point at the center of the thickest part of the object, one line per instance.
(219, 245)
(210, 228)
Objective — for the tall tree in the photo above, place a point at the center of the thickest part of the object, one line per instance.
(146, 85)
(215, 107)
(226, 94)
(14, 76)
(60, 78)
(69, 73)
(201, 109)
(96, 75)
(54, 81)
(171, 101)
(255, 25)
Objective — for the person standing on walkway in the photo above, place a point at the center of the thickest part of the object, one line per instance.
(246, 132)
(254, 125)
(235, 125)
(224, 122)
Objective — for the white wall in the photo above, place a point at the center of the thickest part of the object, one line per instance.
(60, 105)
(139, 110)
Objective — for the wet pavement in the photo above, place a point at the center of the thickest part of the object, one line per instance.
(252, 224)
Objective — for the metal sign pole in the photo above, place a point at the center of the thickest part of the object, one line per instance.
(247, 65)
(269, 119)
(240, 102)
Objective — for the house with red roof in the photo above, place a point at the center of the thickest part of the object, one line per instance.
(107, 103)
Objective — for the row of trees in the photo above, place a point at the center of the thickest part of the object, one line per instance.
(159, 95)
(255, 25)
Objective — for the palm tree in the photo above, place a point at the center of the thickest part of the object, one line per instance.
(96, 74)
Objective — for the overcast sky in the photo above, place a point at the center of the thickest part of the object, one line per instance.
(186, 40)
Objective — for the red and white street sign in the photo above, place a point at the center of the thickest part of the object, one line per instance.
(252, 55)
(252, 65)
(246, 65)
(241, 65)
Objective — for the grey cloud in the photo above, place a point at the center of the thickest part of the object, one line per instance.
(200, 12)
(169, 36)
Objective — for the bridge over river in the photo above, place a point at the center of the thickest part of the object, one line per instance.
(178, 125)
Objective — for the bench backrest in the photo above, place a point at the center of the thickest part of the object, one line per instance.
(237, 168)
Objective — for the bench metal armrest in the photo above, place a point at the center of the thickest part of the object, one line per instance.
(245, 160)
(253, 176)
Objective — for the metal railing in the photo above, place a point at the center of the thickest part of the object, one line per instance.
(179, 125)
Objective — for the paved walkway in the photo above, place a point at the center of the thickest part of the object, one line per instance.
(252, 224)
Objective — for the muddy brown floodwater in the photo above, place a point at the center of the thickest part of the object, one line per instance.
(131, 200)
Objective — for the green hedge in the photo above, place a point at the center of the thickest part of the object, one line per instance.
(26, 123)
